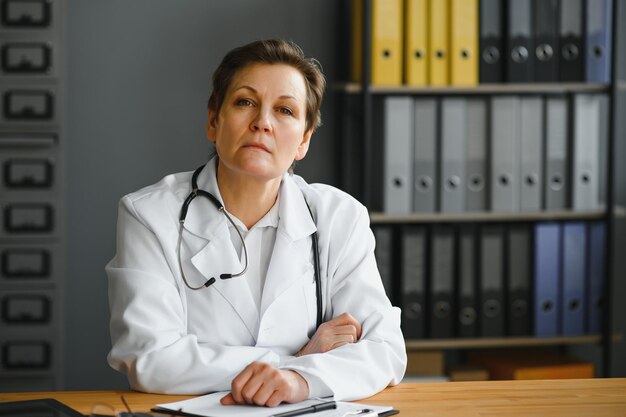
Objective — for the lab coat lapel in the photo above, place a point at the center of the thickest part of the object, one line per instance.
(218, 257)
(292, 255)
(207, 242)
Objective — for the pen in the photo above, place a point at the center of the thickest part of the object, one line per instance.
(330, 405)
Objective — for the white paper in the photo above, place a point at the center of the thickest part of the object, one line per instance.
(209, 406)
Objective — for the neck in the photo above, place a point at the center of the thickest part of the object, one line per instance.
(248, 198)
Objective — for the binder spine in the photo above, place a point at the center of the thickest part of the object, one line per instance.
(492, 55)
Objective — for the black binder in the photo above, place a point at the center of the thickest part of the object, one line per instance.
(491, 281)
(413, 281)
(519, 268)
(491, 40)
(520, 48)
(571, 41)
(546, 40)
(442, 282)
(467, 315)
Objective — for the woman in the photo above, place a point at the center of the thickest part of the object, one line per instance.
(180, 325)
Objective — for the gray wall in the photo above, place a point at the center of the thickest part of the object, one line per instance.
(139, 78)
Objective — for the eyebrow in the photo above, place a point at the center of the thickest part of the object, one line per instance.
(247, 87)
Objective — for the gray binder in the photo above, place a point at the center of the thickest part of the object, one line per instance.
(413, 281)
(556, 174)
(425, 156)
(452, 157)
(531, 153)
(505, 170)
(398, 143)
(586, 151)
(476, 169)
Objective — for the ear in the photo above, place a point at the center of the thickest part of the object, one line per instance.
(211, 125)
(303, 148)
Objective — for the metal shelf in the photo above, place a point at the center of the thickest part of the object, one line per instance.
(504, 342)
(619, 212)
(513, 88)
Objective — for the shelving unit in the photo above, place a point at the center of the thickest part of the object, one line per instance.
(357, 100)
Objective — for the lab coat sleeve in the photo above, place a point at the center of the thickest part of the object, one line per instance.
(378, 359)
(150, 343)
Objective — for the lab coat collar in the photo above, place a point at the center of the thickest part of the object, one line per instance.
(295, 219)
(203, 219)
(293, 213)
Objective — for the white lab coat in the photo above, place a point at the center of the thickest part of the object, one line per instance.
(170, 339)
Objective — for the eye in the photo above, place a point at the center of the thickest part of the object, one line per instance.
(243, 102)
(286, 110)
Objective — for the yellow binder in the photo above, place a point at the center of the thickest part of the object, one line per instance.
(464, 42)
(416, 48)
(439, 42)
(386, 51)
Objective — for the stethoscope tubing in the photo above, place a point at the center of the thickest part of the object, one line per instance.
(220, 207)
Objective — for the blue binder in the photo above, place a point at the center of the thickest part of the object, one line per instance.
(598, 41)
(573, 311)
(546, 280)
(595, 284)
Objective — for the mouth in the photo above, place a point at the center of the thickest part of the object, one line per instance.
(259, 146)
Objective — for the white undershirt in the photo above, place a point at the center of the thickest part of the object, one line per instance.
(259, 241)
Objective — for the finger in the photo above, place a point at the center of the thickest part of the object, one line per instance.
(275, 399)
(252, 387)
(228, 400)
(264, 393)
(259, 388)
(339, 344)
(348, 330)
(341, 340)
(347, 319)
(240, 381)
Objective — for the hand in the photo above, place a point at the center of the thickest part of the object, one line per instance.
(337, 332)
(262, 384)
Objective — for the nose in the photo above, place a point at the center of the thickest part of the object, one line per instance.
(262, 121)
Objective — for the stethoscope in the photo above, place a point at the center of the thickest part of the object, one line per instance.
(195, 191)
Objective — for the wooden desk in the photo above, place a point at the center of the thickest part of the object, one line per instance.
(567, 398)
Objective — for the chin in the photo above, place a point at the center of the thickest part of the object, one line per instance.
(261, 169)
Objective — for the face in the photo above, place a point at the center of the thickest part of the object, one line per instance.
(260, 129)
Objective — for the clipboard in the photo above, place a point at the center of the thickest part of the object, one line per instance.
(160, 410)
(209, 406)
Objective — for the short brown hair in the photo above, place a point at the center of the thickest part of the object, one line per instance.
(272, 51)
